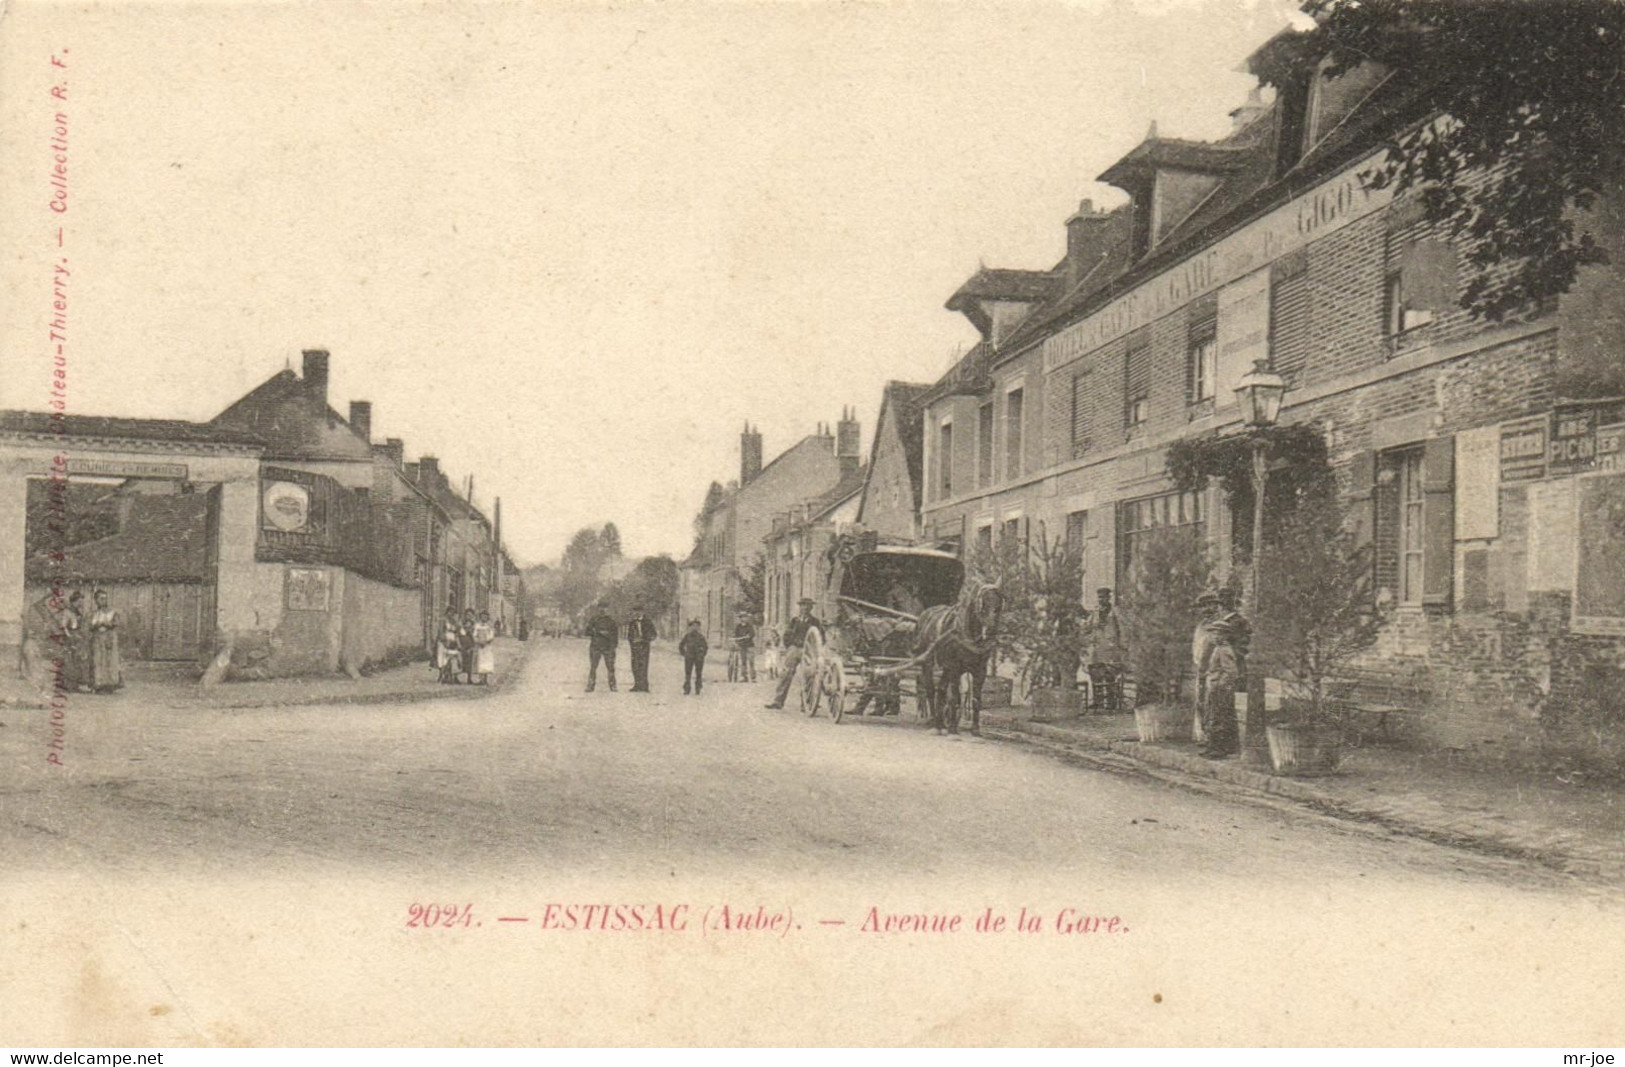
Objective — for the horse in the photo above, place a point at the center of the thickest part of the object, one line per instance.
(957, 639)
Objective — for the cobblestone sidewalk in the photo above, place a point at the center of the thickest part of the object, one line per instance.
(1568, 823)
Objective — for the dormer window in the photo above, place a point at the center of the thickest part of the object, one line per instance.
(1331, 100)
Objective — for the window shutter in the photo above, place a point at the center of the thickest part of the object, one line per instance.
(1438, 521)
(1362, 502)
(1136, 372)
(1290, 311)
(1080, 413)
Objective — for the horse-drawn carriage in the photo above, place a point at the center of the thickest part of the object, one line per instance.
(894, 614)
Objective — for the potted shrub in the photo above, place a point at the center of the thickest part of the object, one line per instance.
(1303, 741)
(1042, 582)
(1158, 616)
(1316, 612)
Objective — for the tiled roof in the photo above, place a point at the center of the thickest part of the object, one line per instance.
(850, 484)
(906, 401)
(160, 539)
(33, 422)
(996, 284)
(292, 423)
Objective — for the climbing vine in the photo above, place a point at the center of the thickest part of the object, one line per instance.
(1299, 470)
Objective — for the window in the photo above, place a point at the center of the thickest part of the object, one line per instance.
(1202, 350)
(1014, 402)
(1137, 379)
(1411, 530)
(1404, 314)
(1080, 414)
(1077, 533)
(945, 460)
(1137, 519)
(1204, 365)
(1012, 529)
(984, 445)
(984, 539)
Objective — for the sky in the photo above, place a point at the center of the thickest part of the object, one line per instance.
(570, 248)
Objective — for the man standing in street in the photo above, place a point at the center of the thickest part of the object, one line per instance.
(795, 636)
(745, 641)
(603, 636)
(693, 646)
(640, 633)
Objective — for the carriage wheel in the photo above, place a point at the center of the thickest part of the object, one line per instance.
(812, 691)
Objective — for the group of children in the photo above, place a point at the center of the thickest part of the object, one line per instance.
(464, 648)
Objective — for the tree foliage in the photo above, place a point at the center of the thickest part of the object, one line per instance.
(1316, 606)
(1535, 101)
(753, 587)
(1299, 470)
(1042, 583)
(1157, 608)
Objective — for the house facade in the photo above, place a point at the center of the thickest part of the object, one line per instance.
(732, 528)
(1478, 459)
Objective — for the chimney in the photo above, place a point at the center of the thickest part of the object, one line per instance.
(411, 470)
(750, 455)
(395, 449)
(847, 438)
(315, 373)
(361, 419)
(469, 496)
(1084, 243)
(429, 471)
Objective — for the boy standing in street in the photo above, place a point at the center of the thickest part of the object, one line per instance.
(693, 646)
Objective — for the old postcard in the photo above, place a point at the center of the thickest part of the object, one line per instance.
(748, 523)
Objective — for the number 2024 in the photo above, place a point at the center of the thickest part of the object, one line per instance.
(439, 915)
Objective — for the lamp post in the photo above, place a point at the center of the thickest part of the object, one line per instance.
(1259, 394)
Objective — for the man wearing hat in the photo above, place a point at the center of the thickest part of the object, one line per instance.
(745, 642)
(640, 634)
(602, 638)
(1221, 647)
(795, 636)
(1105, 652)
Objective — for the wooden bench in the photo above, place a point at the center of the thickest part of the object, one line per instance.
(1378, 703)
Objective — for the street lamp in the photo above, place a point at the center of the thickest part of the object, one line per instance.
(1259, 393)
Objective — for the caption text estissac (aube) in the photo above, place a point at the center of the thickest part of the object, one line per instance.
(761, 919)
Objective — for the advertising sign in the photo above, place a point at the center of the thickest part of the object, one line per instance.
(286, 507)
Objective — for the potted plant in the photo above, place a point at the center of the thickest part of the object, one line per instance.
(1316, 612)
(1158, 615)
(1042, 582)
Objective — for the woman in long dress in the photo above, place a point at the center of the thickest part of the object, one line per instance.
(106, 667)
(465, 645)
(75, 661)
(485, 663)
(446, 655)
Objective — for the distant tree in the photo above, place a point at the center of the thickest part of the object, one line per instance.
(653, 583)
(609, 540)
(713, 500)
(580, 584)
(753, 586)
(1535, 97)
